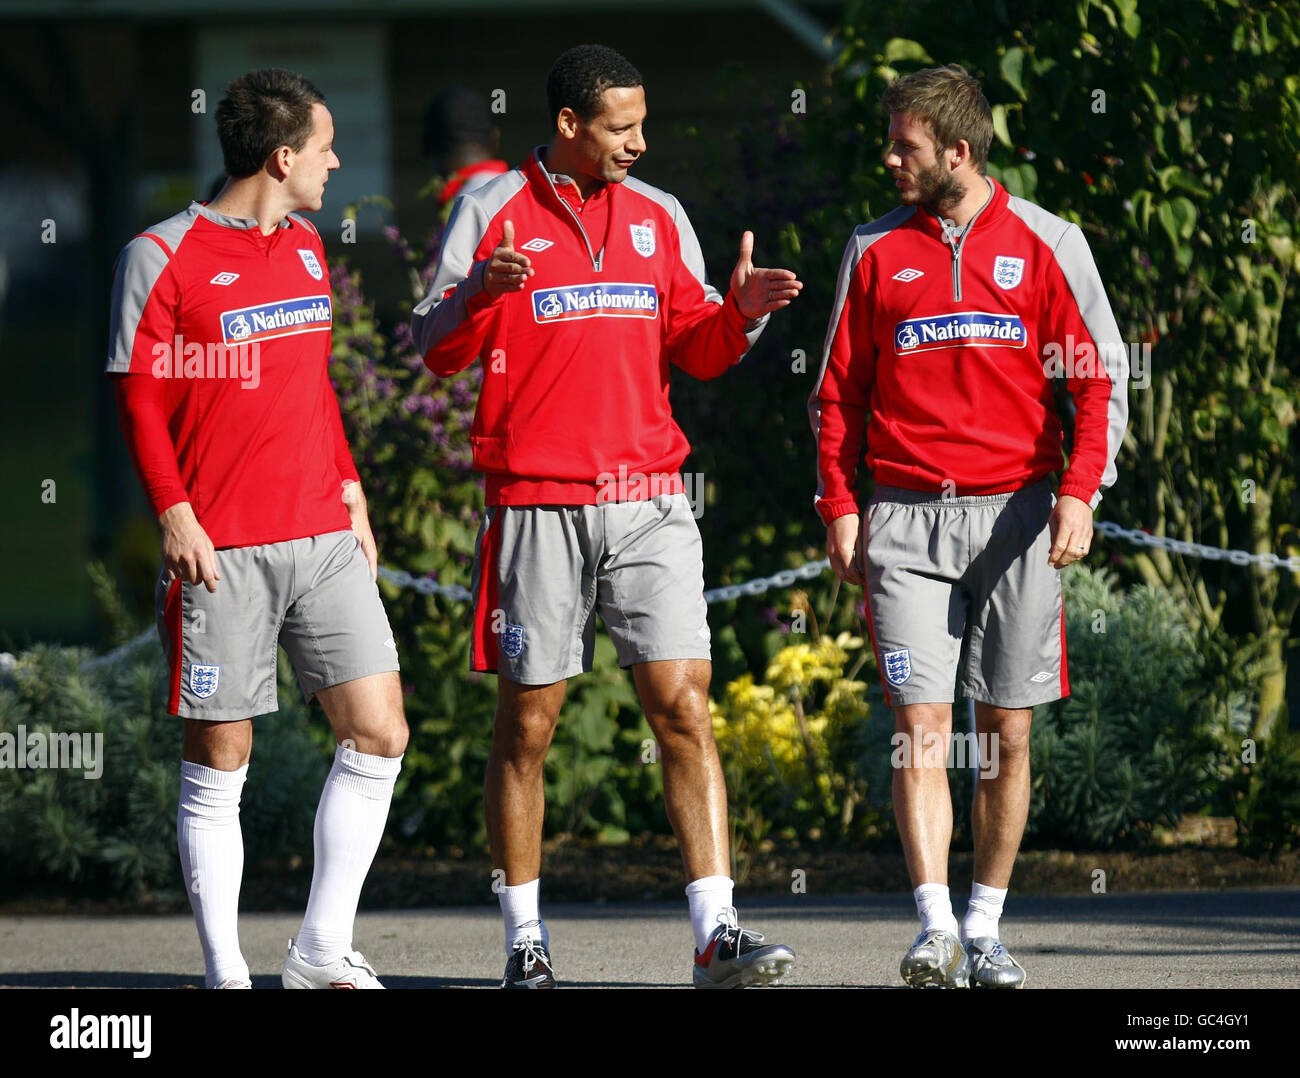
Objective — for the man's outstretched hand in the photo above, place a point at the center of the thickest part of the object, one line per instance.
(508, 270)
(760, 291)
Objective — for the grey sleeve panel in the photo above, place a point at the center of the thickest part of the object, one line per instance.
(863, 237)
(434, 317)
(1073, 257)
(135, 274)
(692, 255)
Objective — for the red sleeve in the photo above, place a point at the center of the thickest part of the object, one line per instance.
(841, 400)
(705, 338)
(342, 451)
(142, 408)
(142, 323)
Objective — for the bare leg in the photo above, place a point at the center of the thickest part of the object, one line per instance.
(675, 697)
(514, 801)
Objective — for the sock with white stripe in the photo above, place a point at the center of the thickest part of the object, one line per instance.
(211, 846)
(349, 824)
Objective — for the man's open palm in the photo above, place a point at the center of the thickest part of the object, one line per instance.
(760, 291)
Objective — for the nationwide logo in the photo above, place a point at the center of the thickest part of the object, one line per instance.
(613, 300)
(305, 314)
(959, 330)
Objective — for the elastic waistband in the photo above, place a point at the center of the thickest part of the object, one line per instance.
(902, 495)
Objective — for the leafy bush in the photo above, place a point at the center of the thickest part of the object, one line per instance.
(1139, 741)
(116, 834)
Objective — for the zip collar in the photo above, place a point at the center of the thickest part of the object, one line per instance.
(986, 216)
(546, 181)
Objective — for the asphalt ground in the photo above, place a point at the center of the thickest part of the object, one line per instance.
(1235, 939)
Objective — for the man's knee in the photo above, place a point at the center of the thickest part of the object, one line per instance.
(525, 720)
(676, 705)
(222, 746)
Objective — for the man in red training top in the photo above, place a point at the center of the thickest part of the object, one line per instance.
(952, 316)
(219, 348)
(578, 286)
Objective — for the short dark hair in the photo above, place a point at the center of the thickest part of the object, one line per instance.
(458, 116)
(950, 101)
(581, 74)
(262, 111)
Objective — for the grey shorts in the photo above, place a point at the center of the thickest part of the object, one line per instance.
(314, 596)
(543, 572)
(964, 583)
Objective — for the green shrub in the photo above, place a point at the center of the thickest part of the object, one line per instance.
(1139, 741)
(116, 834)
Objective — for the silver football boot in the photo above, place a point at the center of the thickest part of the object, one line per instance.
(993, 966)
(937, 960)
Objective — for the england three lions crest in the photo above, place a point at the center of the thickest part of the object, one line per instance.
(1008, 271)
(643, 240)
(898, 666)
(204, 680)
(311, 262)
(512, 640)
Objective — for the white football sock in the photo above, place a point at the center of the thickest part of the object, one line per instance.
(934, 905)
(519, 910)
(983, 912)
(211, 846)
(349, 824)
(707, 897)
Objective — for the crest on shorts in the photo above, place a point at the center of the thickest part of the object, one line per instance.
(308, 257)
(898, 666)
(1007, 271)
(203, 679)
(512, 640)
(643, 240)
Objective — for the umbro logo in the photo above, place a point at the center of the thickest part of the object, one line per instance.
(224, 278)
(1041, 676)
(538, 244)
(906, 275)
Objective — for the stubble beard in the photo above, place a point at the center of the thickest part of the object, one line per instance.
(938, 190)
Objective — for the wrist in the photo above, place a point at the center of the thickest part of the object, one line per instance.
(177, 515)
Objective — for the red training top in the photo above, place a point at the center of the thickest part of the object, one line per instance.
(219, 344)
(949, 344)
(574, 407)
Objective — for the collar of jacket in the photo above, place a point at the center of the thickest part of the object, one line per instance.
(988, 216)
(543, 180)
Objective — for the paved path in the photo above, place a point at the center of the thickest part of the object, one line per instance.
(1225, 939)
